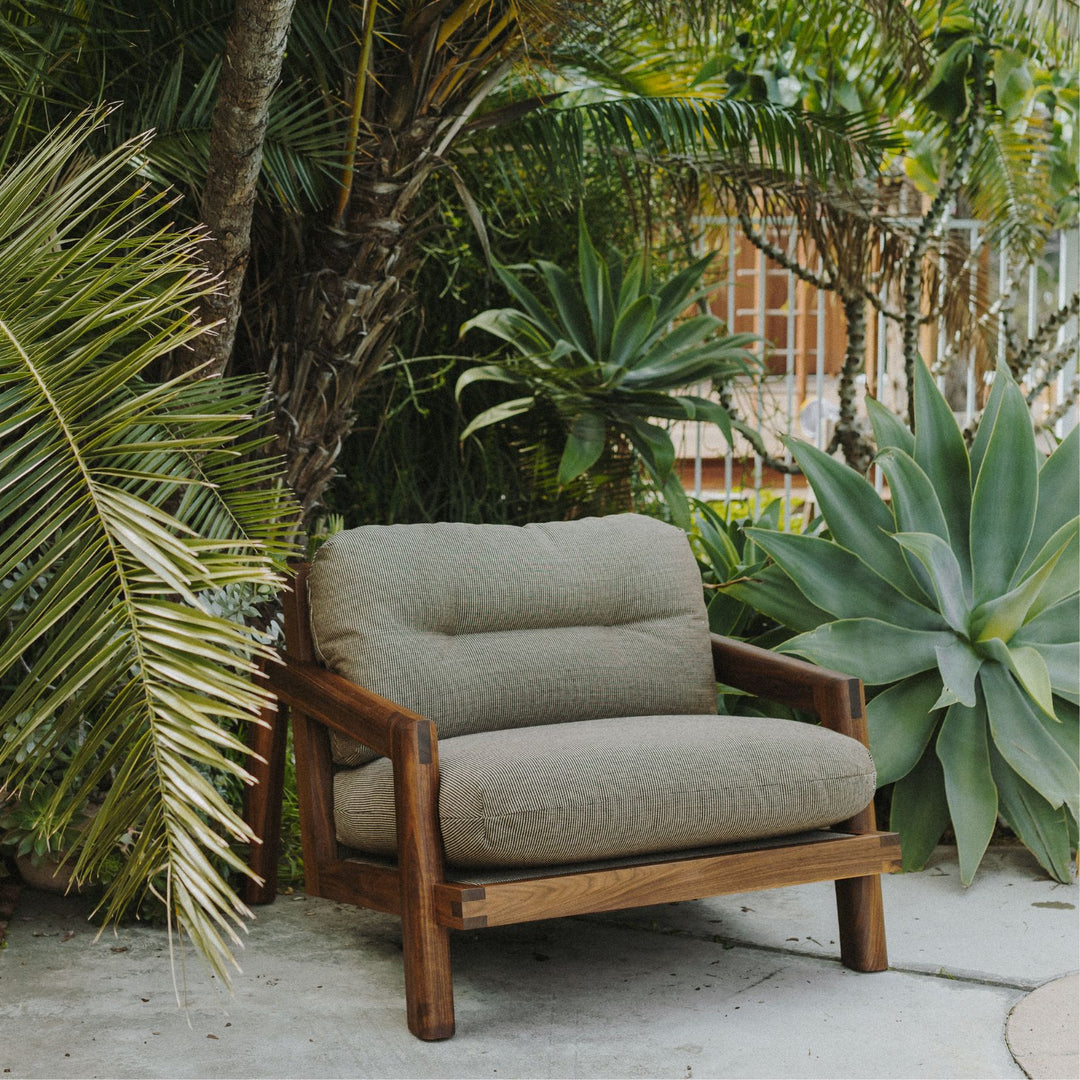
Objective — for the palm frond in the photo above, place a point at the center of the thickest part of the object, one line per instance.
(695, 130)
(127, 504)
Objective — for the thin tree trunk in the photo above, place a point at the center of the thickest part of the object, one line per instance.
(858, 451)
(250, 71)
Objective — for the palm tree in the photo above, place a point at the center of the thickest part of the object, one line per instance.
(131, 516)
(375, 98)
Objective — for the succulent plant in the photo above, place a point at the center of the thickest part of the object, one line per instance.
(607, 350)
(956, 602)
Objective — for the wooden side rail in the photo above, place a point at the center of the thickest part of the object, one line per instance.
(834, 697)
(470, 907)
(338, 703)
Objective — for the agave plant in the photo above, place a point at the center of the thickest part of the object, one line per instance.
(127, 509)
(606, 352)
(956, 602)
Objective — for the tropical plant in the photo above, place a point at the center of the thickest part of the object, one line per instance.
(956, 603)
(602, 351)
(375, 99)
(726, 553)
(128, 509)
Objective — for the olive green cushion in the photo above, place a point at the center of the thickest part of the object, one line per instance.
(486, 627)
(615, 787)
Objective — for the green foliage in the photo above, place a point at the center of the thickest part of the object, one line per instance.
(601, 351)
(957, 602)
(131, 515)
(727, 554)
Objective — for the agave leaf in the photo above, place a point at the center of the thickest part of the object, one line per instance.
(711, 411)
(1062, 668)
(687, 335)
(525, 297)
(655, 446)
(1059, 496)
(1064, 579)
(511, 326)
(675, 295)
(1007, 485)
(703, 363)
(902, 721)
(1003, 616)
(916, 509)
(959, 665)
(988, 420)
(964, 753)
(1043, 828)
(632, 282)
(632, 329)
(889, 430)
(840, 582)
(1029, 668)
(1067, 733)
(942, 455)
(498, 413)
(1022, 739)
(776, 596)
(920, 811)
(573, 314)
(584, 445)
(677, 502)
(869, 649)
(1058, 624)
(946, 577)
(596, 290)
(857, 518)
(485, 373)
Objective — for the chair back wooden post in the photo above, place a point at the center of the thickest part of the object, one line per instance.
(268, 742)
(311, 745)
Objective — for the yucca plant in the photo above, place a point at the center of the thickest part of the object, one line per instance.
(607, 351)
(127, 507)
(956, 602)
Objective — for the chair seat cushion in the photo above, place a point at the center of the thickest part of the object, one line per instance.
(610, 788)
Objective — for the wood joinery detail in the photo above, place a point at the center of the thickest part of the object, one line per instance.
(472, 907)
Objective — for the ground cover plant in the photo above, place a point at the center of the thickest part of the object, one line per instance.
(956, 603)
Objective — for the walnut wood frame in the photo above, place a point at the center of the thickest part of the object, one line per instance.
(422, 892)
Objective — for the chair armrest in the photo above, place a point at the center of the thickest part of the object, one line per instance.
(337, 703)
(837, 699)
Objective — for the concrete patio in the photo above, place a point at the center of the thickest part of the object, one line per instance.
(737, 986)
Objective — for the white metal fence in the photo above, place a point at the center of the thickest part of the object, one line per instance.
(804, 329)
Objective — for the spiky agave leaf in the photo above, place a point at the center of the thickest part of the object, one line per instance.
(957, 602)
(123, 505)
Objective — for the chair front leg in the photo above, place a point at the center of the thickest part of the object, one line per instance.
(429, 989)
(862, 923)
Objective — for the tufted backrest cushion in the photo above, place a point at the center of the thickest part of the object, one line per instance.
(485, 627)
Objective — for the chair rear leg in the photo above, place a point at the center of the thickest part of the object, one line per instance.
(862, 923)
(267, 742)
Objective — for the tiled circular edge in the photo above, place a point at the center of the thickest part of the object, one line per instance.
(1042, 1030)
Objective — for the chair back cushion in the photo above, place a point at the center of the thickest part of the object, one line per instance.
(488, 627)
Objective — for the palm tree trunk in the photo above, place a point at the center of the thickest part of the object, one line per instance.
(350, 294)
